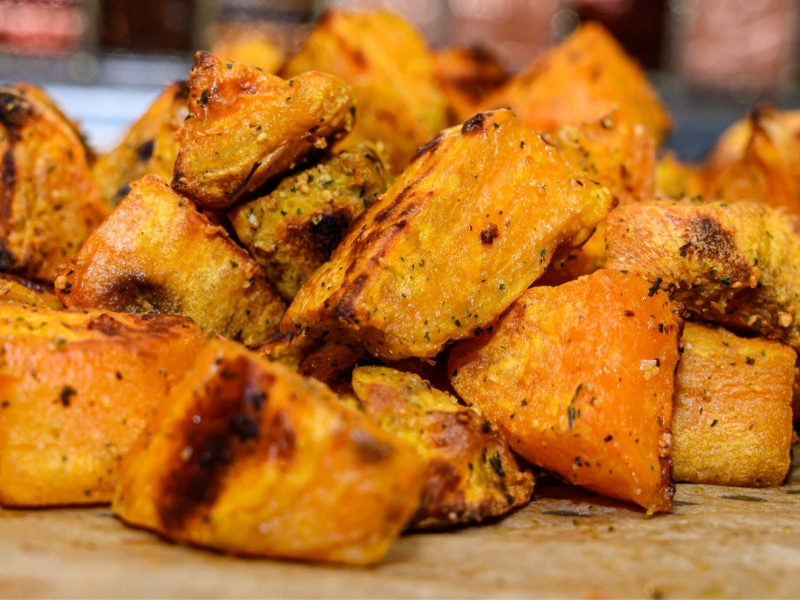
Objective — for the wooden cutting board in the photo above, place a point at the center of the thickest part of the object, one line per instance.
(716, 542)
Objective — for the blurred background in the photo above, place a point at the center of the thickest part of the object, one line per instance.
(105, 60)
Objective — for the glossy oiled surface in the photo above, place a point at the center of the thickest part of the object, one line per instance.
(716, 542)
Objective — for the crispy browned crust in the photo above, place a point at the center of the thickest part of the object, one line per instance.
(736, 264)
(77, 388)
(471, 473)
(250, 458)
(157, 253)
(48, 201)
(463, 232)
(293, 230)
(149, 146)
(246, 126)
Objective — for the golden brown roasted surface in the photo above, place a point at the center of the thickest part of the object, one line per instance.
(737, 264)
(250, 458)
(471, 474)
(76, 389)
(293, 230)
(732, 417)
(391, 70)
(22, 291)
(157, 253)
(246, 126)
(466, 228)
(48, 201)
(149, 146)
(584, 78)
(580, 379)
(467, 75)
(677, 179)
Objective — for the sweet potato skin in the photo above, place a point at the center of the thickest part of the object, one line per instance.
(50, 202)
(732, 417)
(580, 379)
(471, 474)
(157, 253)
(469, 225)
(246, 126)
(149, 146)
(76, 390)
(250, 458)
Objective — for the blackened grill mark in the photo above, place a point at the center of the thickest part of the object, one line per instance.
(709, 238)
(490, 234)
(322, 236)
(134, 293)
(428, 147)
(474, 124)
(228, 427)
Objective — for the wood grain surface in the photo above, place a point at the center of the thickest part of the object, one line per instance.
(716, 542)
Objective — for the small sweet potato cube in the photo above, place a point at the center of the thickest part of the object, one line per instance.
(76, 389)
(471, 473)
(246, 126)
(580, 379)
(50, 202)
(157, 253)
(250, 458)
(466, 228)
(149, 146)
(732, 415)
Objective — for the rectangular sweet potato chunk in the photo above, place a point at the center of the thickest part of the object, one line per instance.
(732, 418)
(466, 228)
(76, 389)
(580, 378)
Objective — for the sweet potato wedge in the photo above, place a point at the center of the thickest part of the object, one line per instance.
(732, 415)
(157, 253)
(469, 225)
(293, 230)
(250, 458)
(391, 71)
(76, 389)
(246, 126)
(149, 146)
(50, 202)
(471, 474)
(580, 379)
(583, 79)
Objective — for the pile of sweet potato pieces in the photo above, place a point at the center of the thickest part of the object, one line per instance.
(296, 314)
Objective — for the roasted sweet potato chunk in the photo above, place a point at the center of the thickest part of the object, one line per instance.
(583, 79)
(250, 458)
(293, 230)
(77, 389)
(677, 179)
(580, 379)
(246, 126)
(23, 291)
(732, 416)
(469, 225)
(149, 146)
(737, 264)
(471, 474)
(50, 202)
(392, 73)
(157, 253)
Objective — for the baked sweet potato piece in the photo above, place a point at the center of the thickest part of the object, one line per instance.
(149, 146)
(467, 75)
(250, 458)
(466, 228)
(22, 291)
(391, 70)
(246, 126)
(157, 253)
(76, 389)
(583, 79)
(50, 203)
(757, 160)
(732, 415)
(293, 230)
(580, 379)
(737, 264)
(471, 474)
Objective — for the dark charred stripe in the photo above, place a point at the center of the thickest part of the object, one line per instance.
(230, 410)
(145, 150)
(429, 147)
(474, 124)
